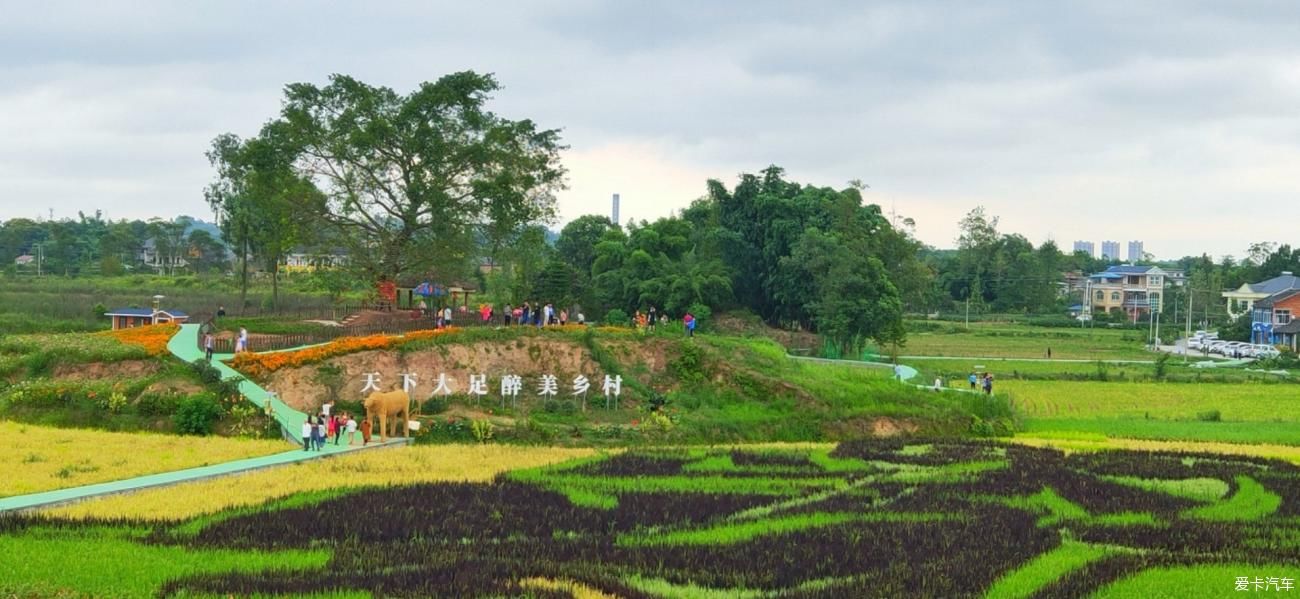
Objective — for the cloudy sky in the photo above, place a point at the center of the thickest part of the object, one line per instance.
(1173, 122)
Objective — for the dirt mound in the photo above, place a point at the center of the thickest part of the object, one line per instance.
(307, 387)
(126, 369)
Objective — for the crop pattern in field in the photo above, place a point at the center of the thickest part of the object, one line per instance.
(872, 518)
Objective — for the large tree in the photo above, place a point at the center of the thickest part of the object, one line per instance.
(405, 177)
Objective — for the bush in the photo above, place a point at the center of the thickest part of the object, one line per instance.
(157, 404)
(702, 314)
(1209, 416)
(434, 405)
(197, 414)
(616, 317)
(482, 430)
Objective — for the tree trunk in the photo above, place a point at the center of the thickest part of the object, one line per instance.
(275, 283)
(243, 274)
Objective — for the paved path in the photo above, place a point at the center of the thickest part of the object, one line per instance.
(991, 359)
(184, 345)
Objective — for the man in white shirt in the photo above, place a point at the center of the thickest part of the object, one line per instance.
(306, 434)
(352, 430)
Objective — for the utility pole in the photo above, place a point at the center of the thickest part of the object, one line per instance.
(1187, 339)
(968, 309)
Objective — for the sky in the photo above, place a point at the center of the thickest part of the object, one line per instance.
(1176, 123)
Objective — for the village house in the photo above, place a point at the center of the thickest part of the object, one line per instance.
(126, 318)
(1242, 300)
(1129, 288)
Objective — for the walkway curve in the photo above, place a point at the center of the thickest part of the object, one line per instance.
(185, 346)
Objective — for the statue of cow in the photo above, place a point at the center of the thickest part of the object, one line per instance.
(383, 404)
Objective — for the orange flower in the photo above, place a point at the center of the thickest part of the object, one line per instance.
(260, 365)
(153, 338)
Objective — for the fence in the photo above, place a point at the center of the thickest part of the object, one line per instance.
(393, 326)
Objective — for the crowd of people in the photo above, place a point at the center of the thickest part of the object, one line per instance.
(317, 430)
(540, 314)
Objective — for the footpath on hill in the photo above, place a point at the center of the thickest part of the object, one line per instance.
(185, 346)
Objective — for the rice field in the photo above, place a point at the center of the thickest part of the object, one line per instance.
(1011, 341)
(882, 518)
(39, 458)
(1161, 401)
(372, 468)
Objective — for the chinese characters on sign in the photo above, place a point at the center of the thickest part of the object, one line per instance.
(1261, 583)
(510, 384)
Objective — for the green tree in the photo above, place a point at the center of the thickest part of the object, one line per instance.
(405, 178)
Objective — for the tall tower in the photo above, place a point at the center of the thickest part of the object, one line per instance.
(615, 211)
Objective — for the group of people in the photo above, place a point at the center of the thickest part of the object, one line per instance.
(241, 342)
(530, 314)
(317, 430)
(976, 380)
(646, 321)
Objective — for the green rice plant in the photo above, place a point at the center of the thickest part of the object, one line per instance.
(1199, 489)
(1045, 569)
(730, 533)
(1251, 502)
(960, 471)
(1195, 581)
(113, 564)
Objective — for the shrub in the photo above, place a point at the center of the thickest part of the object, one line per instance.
(1209, 416)
(157, 404)
(434, 405)
(616, 317)
(1161, 366)
(482, 430)
(197, 414)
(702, 314)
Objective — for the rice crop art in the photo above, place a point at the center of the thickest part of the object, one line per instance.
(882, 518)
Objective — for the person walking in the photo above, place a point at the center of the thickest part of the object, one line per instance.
(241, 342)
(321, 433)
(689, 321)
(1049, 353)
(446, 316)
(988, 383)
(506, 314)
(898, 373)
(523, 317)
(352, 430)
(331, 427)
(582, 318)
(973, 379)
(938, 383)
(307, 432)
(564, 317)
(207, 345)
(365, 431)
(652, 319)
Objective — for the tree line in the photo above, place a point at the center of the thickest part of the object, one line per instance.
(433, 185)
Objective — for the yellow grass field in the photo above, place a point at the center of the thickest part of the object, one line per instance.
(389, 466)
(1086, 443)
(40, 458)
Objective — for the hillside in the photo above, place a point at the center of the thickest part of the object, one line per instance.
(675, 390)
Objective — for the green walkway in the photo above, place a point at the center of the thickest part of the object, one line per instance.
(185, 346)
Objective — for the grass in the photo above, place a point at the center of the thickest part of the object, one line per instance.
(400, 465)
(1045, 569)
(37, 458)
(1085, 442)
(1176, 582)
(36, 563)
(1251, 502)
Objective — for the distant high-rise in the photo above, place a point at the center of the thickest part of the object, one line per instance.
(1110, 250)
(1086, 247)
(615, 211)
(1135, 251)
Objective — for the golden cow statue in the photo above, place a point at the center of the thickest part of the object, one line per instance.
(389, 403)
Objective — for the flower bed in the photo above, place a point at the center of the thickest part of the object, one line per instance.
(153, 339)
(259, 365)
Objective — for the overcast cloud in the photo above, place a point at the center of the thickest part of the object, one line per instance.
(1177, 123)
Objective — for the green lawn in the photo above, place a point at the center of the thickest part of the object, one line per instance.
(1197, 581)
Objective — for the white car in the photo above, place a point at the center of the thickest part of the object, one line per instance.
(1263, 350)
(1216, 347)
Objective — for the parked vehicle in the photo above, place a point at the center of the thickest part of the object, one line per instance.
(1263, 350)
